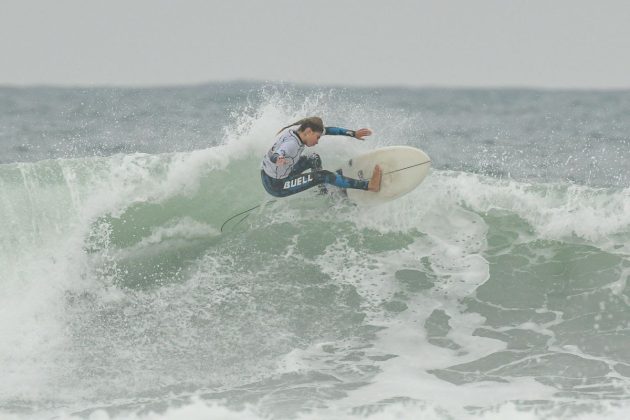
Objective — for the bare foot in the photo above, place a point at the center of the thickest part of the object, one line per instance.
(375, 183)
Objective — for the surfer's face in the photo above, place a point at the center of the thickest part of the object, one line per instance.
(310, 137)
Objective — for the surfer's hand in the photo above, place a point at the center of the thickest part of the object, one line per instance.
(362, 132)
(281, 160)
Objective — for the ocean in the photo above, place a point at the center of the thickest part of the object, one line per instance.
(497, 289)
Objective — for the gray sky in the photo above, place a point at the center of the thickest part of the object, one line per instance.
(540, 43)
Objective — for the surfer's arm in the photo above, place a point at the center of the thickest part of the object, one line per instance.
(287, 150)
(278, 158)
(337, 131)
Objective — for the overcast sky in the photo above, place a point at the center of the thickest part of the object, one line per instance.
(536, 43)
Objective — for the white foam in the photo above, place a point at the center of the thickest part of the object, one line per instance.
(555, 211)
(451, 239)
(198, 409)
(48, 219)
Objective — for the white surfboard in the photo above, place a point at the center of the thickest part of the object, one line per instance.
(404, 168)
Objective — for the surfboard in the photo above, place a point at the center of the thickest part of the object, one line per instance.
(404, 168)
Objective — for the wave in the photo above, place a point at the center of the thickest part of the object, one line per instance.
(141, 201)
(116, 268)
(199, 409)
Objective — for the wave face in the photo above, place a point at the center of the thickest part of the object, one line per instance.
(495, 289)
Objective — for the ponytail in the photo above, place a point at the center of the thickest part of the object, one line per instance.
(314, 123)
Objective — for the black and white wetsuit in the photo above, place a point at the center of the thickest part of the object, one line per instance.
(288, 179)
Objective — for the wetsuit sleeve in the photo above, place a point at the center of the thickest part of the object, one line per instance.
(337, 131)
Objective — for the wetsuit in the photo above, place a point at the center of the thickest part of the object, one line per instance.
(288, 179)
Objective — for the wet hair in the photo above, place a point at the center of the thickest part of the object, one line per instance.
(314, 123)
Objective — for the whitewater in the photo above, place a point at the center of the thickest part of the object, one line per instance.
(496, 289)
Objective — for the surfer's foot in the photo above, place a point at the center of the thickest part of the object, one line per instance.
(375, 182)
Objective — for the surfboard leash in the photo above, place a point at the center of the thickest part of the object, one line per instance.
(412, 166)
(243, 212)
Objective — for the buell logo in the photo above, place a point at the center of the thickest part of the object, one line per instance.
(298, 181)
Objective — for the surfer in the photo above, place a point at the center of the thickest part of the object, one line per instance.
(283, 165)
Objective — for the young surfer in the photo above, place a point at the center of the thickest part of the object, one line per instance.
(283, 166)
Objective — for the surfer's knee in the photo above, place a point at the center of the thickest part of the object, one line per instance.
(315, 162)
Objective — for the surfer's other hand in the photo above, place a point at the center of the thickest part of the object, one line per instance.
(362, 132)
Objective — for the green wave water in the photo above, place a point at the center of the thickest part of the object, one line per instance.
(478, 295)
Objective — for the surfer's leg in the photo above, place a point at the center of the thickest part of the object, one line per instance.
(272, 185)
(302, 182)
(338, 180)
(289, 185)
(316, 165)
(312, 162)
(374, 184)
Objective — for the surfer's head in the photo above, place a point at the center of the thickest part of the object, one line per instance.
(309, 136)
(310, 130)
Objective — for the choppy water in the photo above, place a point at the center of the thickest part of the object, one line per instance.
(496, 289)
